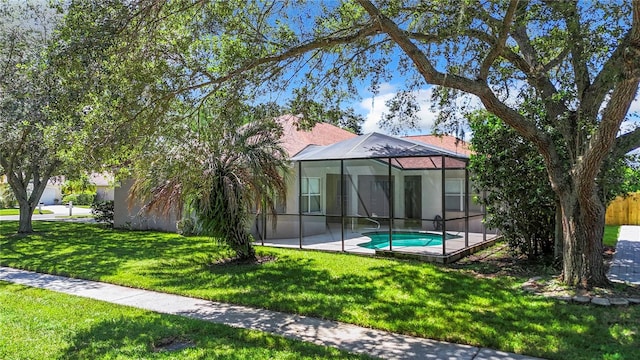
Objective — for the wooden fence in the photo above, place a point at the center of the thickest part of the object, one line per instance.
(624, 210)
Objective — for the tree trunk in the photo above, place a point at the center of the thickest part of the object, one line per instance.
(557, 244)
(26, 213)
(582, 228)
(27, 202)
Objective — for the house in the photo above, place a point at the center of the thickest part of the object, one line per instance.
(52, 194)
(368, 194)
(104, 183)
(293, 140)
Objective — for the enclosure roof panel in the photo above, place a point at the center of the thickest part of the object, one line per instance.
(372, 146)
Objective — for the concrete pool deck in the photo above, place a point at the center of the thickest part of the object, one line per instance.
(331, 242)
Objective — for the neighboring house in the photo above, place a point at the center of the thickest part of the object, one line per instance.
(346, 190)
(104, 186)
(52, 193)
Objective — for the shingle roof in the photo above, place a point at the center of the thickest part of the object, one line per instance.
(294, 140)
(445, 142)
(373, 146)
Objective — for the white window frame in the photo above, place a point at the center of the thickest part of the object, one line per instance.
(305, 197)
(459, 193)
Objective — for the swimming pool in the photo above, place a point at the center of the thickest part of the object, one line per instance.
(380, 239)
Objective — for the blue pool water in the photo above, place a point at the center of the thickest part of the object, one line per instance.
(380, 239)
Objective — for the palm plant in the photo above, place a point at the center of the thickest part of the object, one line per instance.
(225, 167)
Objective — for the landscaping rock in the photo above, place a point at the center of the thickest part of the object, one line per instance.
(529, 288)
(633, 301)
(535, 278)
(619, 301)
(582, 299)
(601, 301)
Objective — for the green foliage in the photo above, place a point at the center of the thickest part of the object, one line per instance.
(611, 233)
(631, 175)
(81, 184)
(84, 198)
(225, 164)
(7, 198)
(68, 103)
(425, 300)
(103, 212)
(520, 201)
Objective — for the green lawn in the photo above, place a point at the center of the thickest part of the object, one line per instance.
(400, 296)
(40, 324)
(17, 212)
(610, 237)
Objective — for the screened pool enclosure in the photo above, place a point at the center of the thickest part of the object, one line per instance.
(379, 194)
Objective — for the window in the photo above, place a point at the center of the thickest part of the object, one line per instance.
(310, 198)
(454, 195)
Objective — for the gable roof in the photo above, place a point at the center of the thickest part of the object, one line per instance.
(373, 146)
(447, 142)
(294, 140)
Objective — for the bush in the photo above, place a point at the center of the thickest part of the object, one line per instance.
(85, 198)
(187, 227)
(7, 198)
(103, 212)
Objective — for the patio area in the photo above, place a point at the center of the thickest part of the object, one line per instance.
(454, 248)
(341, 192)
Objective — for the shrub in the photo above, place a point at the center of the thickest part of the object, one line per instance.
(7, 198)
(103, 212)
(85, 198)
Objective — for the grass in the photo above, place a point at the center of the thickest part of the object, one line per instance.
(413, 298)
(610, 237)
(7, 212)
(40, 324)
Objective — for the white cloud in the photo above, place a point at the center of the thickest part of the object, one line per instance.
(375, 107)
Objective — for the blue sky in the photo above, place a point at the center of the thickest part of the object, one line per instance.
(372, 108)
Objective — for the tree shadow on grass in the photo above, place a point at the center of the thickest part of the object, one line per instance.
(422, 300)
(492, 313)
(287, 284)
(165, 336)
(87, 250)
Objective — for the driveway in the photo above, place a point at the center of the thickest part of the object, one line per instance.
(60, 212)
(626, 261)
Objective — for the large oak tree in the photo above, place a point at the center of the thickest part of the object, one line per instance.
(578, 61)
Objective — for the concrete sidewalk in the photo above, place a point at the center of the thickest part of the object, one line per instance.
(347, 337)
(625, 265)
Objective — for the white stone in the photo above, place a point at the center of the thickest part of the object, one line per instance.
(582, 299)
(600, 301)
(619, 301)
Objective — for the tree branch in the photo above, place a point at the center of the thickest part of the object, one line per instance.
(367, 30)
(626, 143)
(477, 87)
(614, 113)
(576, 42)
(538, 79)
(502, 39)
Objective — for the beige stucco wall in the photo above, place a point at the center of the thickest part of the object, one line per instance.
(125, 217)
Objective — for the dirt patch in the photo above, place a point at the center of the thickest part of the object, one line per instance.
(540, 277)
(172, 343)
(234, 261)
